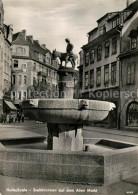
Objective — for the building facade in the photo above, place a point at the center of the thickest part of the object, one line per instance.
(5, 62)
(129, 75)
(101, 65)
(34, 72)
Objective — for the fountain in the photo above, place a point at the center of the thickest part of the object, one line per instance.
(69, 157)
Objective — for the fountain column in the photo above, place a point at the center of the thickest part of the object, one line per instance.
(65, 136)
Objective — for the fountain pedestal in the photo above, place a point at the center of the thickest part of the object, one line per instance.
(67, 137)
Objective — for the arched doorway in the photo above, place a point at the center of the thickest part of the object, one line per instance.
(132, 114)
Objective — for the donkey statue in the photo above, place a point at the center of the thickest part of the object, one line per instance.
(62, 57)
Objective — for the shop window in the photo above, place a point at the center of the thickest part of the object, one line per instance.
(132, 114)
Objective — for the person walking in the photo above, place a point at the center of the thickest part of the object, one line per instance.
(19, 116)
(22, 117)
(7, 118)
(14, 118)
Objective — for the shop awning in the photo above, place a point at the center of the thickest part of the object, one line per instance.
(10, 105)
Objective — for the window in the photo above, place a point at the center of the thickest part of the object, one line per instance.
(125, 15)
(20, 79)
(24, 66)
(34, 81)
(115, 22)
(24, 95)
(25, 80)
(86, 80)
(13, 95)
(133, 43)
(106, 74)
(13, 79)
(99, 53)
(114, 45)
(98, 77)
(34, 67)
(20, 50)
(91, 78)
(113, 73)
(132, 114)
(15, 63)
(102, 29)
(19, 95)
(92, 56)
(87, 59)
(130, 73)
(107, 49)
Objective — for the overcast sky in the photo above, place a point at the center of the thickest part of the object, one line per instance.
(51, 21)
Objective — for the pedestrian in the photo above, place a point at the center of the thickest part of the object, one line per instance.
(4, 117)
(22, 117)
(14, 118)
(19, 116)
(7, 118)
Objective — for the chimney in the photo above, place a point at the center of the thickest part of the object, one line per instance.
(31, 38)
(44, 46)
(37, 41)
(24, 33)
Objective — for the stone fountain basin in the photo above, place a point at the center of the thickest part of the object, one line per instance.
(66, 110)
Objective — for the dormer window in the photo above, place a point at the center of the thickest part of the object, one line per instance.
(103, 29)
(116, 22)
(133, 42)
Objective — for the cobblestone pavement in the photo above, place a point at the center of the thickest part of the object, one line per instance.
(8, 186)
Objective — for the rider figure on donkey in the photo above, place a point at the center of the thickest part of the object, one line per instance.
(70, 54)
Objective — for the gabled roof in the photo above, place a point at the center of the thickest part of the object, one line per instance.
(95, 29)
(19, 39)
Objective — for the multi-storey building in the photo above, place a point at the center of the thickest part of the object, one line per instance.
(100, 65)
(5, 63)
(129, 75)
(34, 72)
